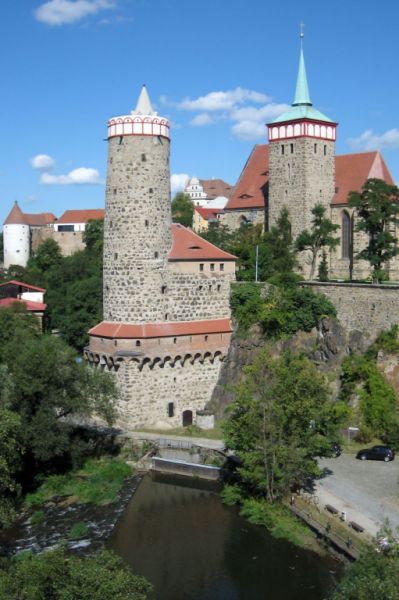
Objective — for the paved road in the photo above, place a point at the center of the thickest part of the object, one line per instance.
(367, 490)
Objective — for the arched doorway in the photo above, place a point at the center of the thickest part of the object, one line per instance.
(187, 418)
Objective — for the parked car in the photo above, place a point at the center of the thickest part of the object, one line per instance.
(384, 453)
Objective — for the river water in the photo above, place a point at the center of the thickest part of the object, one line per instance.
(179, 535)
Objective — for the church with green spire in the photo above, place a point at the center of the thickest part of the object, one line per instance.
(298, 169)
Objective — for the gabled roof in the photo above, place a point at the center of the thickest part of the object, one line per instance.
(208, 213)
(216, 187)
(29, 304)
(249, 191)
(187, 245)
(40, 219)
(353, 170)
(34, 288)
(157, 330)
(81, 216)
(16, 216)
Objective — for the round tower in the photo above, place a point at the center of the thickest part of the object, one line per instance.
(137, 227)
(16, 238)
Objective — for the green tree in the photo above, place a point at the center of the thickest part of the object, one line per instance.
(182, 209)
(281, 421)
(374, 576)
(10, 463)
(377, 210)
(323, 267)
(58, 576)
(320, 237)
(93, 236)
(48, 386)
(47, 256)
(280, 241)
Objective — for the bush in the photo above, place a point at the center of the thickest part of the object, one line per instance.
(245, 304)
(56, 576)
(78, 531)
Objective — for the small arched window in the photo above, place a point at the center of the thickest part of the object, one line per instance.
(346, 235)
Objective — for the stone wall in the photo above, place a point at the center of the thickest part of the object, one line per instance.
(234, 218)
(69, 241)
(147, 391)
(362, 307)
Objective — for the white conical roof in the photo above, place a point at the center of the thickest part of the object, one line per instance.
(143, 106)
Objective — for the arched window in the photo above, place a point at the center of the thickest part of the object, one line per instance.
(346, 235)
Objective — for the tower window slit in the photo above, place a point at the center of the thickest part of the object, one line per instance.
(116, 256)
(315, 148)
(138, 343)
(163, 289)
(292, 148)
(325, 150)
(115, 191)
(155, 254)
(143, 158)
(146, 223)
(282, 148)
(171, 407)
(150, 191)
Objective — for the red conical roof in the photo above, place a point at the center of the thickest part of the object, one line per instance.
(16, 216)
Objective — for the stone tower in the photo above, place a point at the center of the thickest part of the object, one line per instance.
(301, 158)
(166, 324)
(137, 227)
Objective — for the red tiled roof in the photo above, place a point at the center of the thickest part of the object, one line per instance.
(30, 305)
(81, 216)
(187, 245)
(39, 219)
(26, 285)
(216, 187)
(248, 193)
(208, 213)
(16, 216)
(352, 170)
(156, 330)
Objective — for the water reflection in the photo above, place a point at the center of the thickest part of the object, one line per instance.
(191, 547)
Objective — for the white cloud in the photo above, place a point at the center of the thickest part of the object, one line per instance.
(178, 182)
(223, 100)
(61, 12)
(42, 162)
(202, 119)
(247, 110)
(369, 140)
(79, 176)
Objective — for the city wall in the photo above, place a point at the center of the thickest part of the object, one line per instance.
(362, 307)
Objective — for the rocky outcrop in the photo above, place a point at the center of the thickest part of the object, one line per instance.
(326, 345)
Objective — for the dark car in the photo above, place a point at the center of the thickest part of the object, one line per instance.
(384, 453)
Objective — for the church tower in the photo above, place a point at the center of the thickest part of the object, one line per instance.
(301, 158)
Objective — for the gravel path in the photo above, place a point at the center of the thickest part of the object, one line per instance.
(367, 490)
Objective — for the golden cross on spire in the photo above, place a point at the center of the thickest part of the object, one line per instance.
(302, 26)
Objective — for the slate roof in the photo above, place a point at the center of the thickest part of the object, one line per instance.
(187, 245)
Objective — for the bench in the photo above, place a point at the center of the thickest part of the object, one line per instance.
(331, 509)
(356, 526)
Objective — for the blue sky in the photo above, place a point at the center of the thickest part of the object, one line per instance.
(218, 69)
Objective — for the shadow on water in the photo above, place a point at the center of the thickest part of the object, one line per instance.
(178, 534)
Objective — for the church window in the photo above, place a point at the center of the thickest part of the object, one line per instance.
(315, 148)
(171, 407)
(292, 148)
(282, 148)
(138, 343)
(346, 235)
(212, 266)
(143, 158)
(221, 267)
(201, 267)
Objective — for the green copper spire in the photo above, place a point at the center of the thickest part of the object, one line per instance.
(302, 95)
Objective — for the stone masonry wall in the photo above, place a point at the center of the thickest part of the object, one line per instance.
(69, 241)
(301, 175)
(362, 307)
(137, 228)
(234, 218)
(145, 393)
